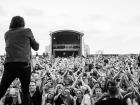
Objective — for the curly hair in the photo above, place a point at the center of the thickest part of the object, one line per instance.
(17, 22)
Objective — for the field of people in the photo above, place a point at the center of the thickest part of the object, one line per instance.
(79, 80)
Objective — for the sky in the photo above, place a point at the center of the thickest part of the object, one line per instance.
(112, 26)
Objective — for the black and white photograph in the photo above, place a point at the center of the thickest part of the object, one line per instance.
(69, 52)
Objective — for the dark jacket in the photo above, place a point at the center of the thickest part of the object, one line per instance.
(18, 45)
(111, 101)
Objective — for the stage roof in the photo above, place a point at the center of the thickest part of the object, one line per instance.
(66, 32)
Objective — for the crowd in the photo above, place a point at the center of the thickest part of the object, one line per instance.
(79, 81)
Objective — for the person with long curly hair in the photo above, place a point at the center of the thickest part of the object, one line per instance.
(19, 41)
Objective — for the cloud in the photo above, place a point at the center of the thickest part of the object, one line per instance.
(2, 11)
(135, 20)
(94, 31)
(130, 21)
(33, 12)
(95, 17)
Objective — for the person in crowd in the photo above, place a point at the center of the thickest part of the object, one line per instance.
(68, 98)
(78, 97)
(113, 98)
(58, 99)
(35, 93)
(13, 97)
(48, 99)
(86, 98)
(96, 95)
